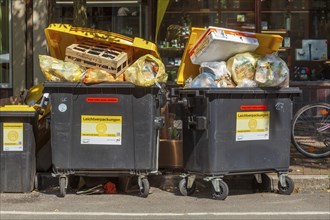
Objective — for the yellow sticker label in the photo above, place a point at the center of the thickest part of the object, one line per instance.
(12, 136)
(252, 126)
(99, 129)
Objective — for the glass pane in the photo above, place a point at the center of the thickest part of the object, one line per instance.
(123, 19)
(305, 26)
(181, 15)
(5, 77)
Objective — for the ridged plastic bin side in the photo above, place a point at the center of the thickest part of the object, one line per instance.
(18, 168)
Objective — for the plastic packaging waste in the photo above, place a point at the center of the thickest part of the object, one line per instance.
(56, 70)
(204, 80)
(271, 71)
(94, 75)
(221, 74)
(242, 66)
(146, 71)
(247, 83)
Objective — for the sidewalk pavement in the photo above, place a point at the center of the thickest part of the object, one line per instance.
(308, 174)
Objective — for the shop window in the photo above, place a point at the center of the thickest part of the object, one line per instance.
(123, 17)
(5, 45)
(181, 15)
(303, 24)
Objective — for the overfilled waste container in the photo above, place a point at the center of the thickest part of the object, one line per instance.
(106, 129)
(18, 147)
(101, 128)
(232, 131)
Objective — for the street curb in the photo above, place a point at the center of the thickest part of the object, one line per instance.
(304, 183)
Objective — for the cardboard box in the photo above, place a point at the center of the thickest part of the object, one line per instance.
(219, 44)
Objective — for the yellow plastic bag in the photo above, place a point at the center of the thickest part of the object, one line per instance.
(146, 71)
(59, 71)
(242, 66)
(94, 75)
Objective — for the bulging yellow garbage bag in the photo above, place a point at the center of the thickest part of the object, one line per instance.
(56, 70)
(146, 71)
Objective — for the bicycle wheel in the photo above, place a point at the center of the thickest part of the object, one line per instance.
(311, 130)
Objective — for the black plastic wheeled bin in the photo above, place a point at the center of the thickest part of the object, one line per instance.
(230, 131)
(18, 124)
(106, 129)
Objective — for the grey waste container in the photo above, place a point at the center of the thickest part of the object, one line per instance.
(230, 131)
(17, 153)
(106, 129)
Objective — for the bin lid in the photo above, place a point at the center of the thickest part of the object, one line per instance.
(17, 111)
(187, 68)
(268, 43)
(17, 108)
(60, 36)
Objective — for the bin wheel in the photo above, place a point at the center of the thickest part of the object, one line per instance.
(289, 186)
(144, 190)
(36, 182)
(224, 191)
(62, 186)
(183, 187)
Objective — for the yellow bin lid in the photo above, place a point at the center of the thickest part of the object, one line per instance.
(187, 68)
(60, 36)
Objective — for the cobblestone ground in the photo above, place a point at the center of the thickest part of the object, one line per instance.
(308, 166)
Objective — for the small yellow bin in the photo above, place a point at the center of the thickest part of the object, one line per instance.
(268, 44)
(18, 132)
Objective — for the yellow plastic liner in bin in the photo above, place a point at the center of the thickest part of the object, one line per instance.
(60, 36)
(268, 44)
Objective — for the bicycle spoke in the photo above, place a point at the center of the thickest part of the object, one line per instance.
(311, 130)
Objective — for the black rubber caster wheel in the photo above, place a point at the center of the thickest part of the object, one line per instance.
(288, 189)
(144, 190)
(183, 187)
(36, 182)
(224, 191)
(62, 186)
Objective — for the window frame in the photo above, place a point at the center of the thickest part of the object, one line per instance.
(9, 84)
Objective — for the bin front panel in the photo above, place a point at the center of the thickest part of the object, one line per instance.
(79, 129)
(242, 135)
(103, 129)
(17, 163)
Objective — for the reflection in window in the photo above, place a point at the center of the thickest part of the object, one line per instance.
(125, 18)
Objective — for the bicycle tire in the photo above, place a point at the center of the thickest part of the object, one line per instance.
(306, 136)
